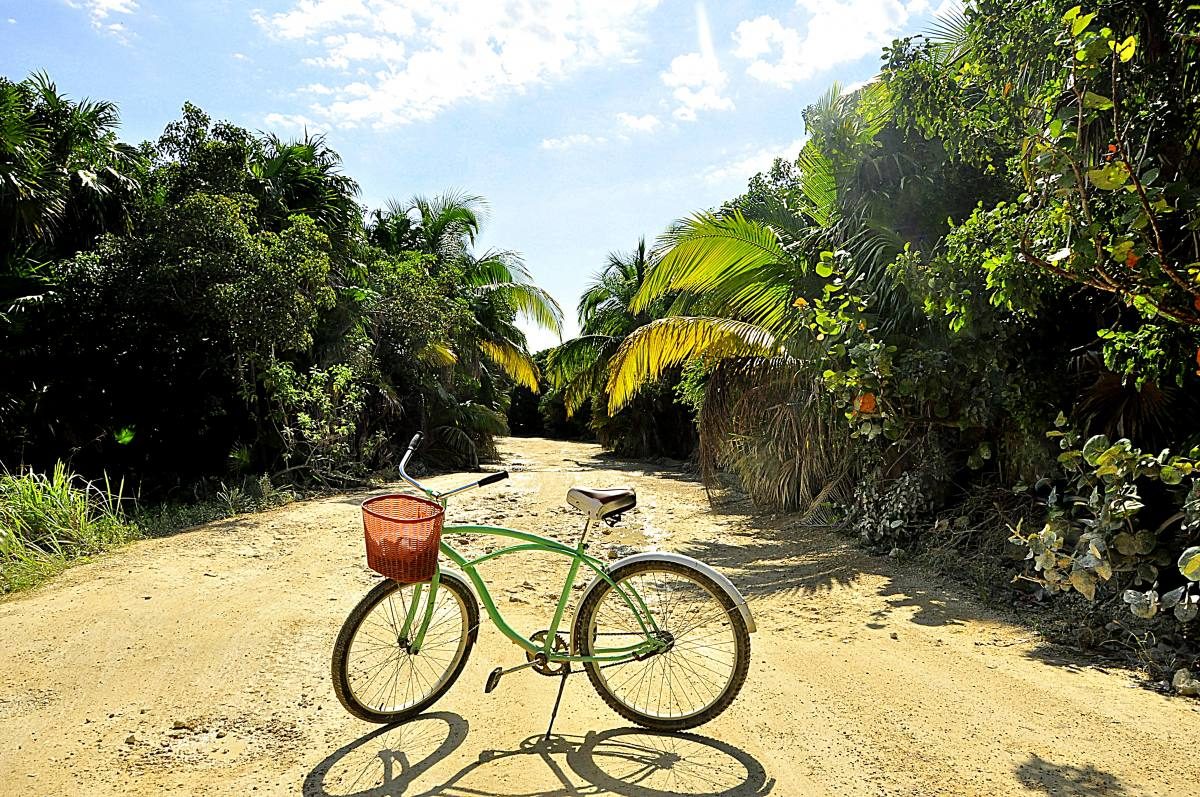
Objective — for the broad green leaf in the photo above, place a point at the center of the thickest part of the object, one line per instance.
(1170, 474)
(1080, 22)
(1124, 50)
(1096, 101)
(1189, 563)
(1173, 597)
(1126, 543)
(1109, 177)
(1045, 561)
(1094, 447)
(1144, 604)
(1085, 583)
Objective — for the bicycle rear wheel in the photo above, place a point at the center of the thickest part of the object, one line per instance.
(376, 676)
(704, 665)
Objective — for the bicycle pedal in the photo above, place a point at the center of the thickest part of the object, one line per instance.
(493, 680)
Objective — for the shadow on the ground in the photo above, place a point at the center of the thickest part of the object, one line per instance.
(1066, 780)
(631, 762)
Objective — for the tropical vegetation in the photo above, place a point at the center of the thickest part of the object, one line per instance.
(965, 320)
(190, 314)
(962, 323)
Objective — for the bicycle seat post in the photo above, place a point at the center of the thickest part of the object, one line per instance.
(587, 527)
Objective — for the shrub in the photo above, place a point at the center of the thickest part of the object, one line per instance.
(1124, 520)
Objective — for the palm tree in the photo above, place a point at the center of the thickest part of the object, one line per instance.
(64, 180)
(580, 367)
(733, 280)
(304, 177)
(496, 282)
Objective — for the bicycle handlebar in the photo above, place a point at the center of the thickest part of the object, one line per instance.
(491, 478)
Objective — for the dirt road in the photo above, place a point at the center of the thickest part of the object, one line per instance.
(199, 664)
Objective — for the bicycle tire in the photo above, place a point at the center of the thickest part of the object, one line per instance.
(344, 646)
(585, 631)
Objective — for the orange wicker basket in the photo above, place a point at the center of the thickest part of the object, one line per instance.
(403, 533)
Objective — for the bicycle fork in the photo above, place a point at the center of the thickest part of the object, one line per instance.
(414, 644)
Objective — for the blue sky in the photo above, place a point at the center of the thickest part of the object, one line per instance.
(586, 123)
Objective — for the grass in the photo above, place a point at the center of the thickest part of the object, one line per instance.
(253, 495)
(51, 521)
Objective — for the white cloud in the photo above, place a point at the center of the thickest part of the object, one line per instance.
(12, 21)
(572, 141)
(639, 124)
(293, 123)
(697, 78)
(240, 57)
(850, 88)
(99, 11)
(738, 171)
(836, 32)
(406, 62)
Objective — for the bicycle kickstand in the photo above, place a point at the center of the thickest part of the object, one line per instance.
(562, 685)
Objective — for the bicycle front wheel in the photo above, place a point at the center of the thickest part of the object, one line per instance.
(376, 675)
(706, 659)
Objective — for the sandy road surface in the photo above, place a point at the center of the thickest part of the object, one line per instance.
(198, 664)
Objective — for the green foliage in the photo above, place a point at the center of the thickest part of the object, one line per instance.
(212, 306)
(582, 370)
(1101, 535)
(46, 520)
(227, 500)
(1000, 228)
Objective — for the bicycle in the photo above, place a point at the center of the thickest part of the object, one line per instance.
(663, 638)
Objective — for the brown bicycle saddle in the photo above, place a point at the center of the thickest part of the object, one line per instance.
(600, 503)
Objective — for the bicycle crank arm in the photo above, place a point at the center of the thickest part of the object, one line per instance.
(493, 679)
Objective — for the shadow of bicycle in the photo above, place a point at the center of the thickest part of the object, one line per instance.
(631, 762)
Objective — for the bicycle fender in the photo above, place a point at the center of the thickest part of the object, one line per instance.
(721, 581)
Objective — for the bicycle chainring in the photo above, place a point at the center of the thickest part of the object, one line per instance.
(540, 664)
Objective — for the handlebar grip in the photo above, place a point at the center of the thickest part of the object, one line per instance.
(416, 441)
(492, 478)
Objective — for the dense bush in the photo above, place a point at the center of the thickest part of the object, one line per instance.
(214, 305)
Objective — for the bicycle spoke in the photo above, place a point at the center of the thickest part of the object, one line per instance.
(382, 672)
(695, 669)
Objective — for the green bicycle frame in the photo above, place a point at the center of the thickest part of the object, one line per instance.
(529, 543)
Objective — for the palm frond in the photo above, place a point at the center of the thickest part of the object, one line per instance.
(950, 35)
(705, 250)
(438, 355)
(513, 360)
(667, 342)
(530, 301)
